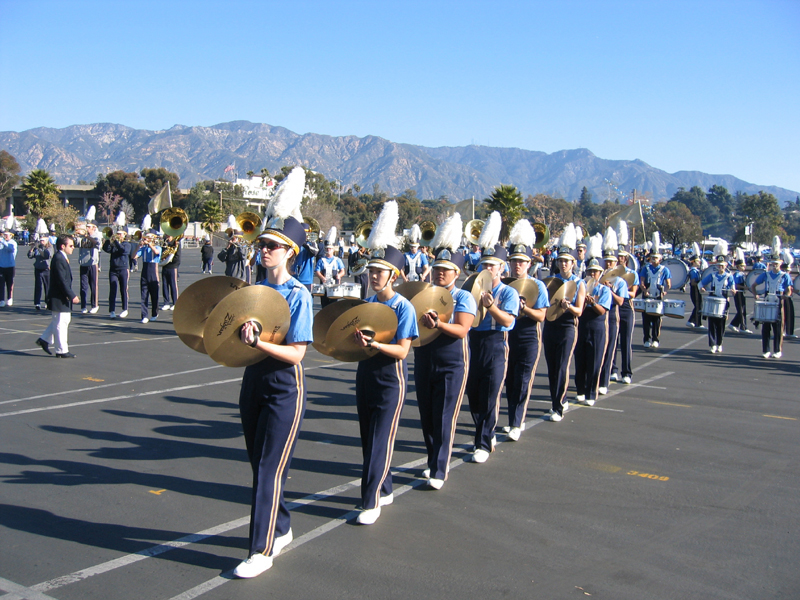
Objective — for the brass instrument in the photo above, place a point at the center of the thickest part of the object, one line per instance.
(313, 229)
(362, 233)
(428, 229)
(108, 233)
(174, 221)
(137, 237)
(542, 235)
(250, 224)
(472, 231)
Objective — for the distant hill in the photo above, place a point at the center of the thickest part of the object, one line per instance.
(80, 152)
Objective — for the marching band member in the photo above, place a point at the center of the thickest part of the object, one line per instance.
(381, 379)
(417, 265)
(560, 335)
(739, 322)
(788, 302)
(580, 262)
(720, 284)
(118, 273)
(618, 289)
(656, 282)
(234, 256)
(8, 263)
(694, 277)
(592, 334)
(330, 268)
(524, 340)
(89, 260)
(169, 273)
(40, 252)
(306, 261)
(473, 258)
(488, 343)
(151, 255)
(778, 285)
(273, 395)
(627, 316)
(441, 366)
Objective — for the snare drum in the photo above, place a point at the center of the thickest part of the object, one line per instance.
(675, 309)
(334, 291)
(317, 289)
(766, 312)
(638, 304)
(654, 307)
(351, 290)
(714, 307)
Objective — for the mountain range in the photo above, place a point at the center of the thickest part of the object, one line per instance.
(80, 152)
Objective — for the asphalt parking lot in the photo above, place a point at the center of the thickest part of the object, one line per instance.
(124, 475)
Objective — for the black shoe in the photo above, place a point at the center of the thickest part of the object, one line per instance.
(44, 345)
(66, 355)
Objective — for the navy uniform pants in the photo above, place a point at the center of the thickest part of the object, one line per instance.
(169, 285)
(41, 284)
(740, 302)
(589, 352)
(696, 317)
(380, 393)
(651, 326)
(89, 284)
(149, 287)
(524, 350)
(716, 328)
(611, 345)
(440, 376)
(776, 330)
(788, 315)
(271, 405)
(488, 359)
(117, 278)
(559, 338)
(627, 322)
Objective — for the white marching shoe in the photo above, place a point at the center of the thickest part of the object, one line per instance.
(514, 434)
(436, 484)
(386, 500)
(580, 397)
(777, 354)
(123, 314)
(602, 391)
(281, 542)
(253, 566)
(368, 516)
(480, 456)
(589, 402)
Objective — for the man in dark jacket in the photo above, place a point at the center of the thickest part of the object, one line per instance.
(60, 299)
(40, 253)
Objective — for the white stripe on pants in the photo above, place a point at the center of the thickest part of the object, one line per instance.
(56, 332)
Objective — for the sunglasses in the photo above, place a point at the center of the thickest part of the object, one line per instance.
(272, 246)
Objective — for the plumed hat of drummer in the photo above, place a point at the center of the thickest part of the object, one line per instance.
(622, 236)
(383, 241)
(446, 242)
(788, 259)
(721, 252)
(775, 257)
(491, 251)
(655, 245)
(521, 241)
(90, 216)
(330, 239)
(414, 235)
(595, 248)
(610, 244)
(567, 242)
(283, 220)
(739, 254)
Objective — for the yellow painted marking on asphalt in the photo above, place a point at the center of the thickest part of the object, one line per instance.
(606, 468)
(649, 476)
(777, 417)
(669, 404)
(92, 379)
(157, 493)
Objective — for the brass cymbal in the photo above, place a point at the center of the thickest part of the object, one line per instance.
(257, 303)
(567, 290)
(552, 284)
(434, 298)
(476, 284)
(629, 278)
(195, 304)
(325, 318)
(376, 319)
(527, 289)
(409, 289)
(609, 274)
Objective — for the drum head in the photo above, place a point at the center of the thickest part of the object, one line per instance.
(796, 285)
(751, 279)
(678, 270)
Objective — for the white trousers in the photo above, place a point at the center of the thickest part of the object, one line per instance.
(56, 332)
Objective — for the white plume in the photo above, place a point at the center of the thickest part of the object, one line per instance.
(147, 223)
(449, 233)
(569, 239)
(580, 234)
(287, 199)
(232, 224)
(522, 233)
(383, 229)
(595, 246)
(41, 227)
(787, 257)
(352, 239)
(490, 234)
(776, 245)
(331, 237)
(622, 233)
(90, 214)
(415, 235)
(739, 253)
(721, 248)
(610, 240)
(695, 249)
(656, 247)
(121, 220)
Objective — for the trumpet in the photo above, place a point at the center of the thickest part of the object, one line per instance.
(313, 229)
(362, 233)
(250, 224)
(472, 231)
(428, 229)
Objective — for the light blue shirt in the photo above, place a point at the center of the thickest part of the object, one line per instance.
(300, 308)
(780, 282)
(406, 317)
(507, 300)
(463, 302)
(8, 253)
(602, 296)
(716, 283)
(329, 267)
(580, 283)
(148, 255)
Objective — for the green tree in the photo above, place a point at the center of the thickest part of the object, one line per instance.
(40, 192)
(676, 223)
(553, 212)
(212, 216)
(764, 212)
(697, 202)
(507, 200)
(9, 177)
(127, 185)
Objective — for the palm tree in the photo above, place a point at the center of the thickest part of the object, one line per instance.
(212, 216)
(506, 200)
(40, 191)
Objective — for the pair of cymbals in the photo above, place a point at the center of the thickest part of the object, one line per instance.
(526, 288)
(629, 278)
(430, 299)
(336, 324)
(565, 290)
(610, 274)
(476, 284)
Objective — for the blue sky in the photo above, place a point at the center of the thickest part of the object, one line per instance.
(712, 86)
